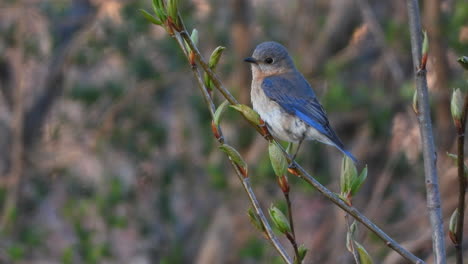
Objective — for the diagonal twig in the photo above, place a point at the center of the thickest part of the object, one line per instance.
(245, 180)
(302, 173)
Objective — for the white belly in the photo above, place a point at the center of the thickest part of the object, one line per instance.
(281, 124)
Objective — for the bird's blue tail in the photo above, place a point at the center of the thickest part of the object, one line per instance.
(347, 153)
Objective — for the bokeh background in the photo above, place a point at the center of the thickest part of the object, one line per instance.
(106, 152)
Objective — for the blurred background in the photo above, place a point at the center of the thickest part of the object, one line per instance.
(107, 154)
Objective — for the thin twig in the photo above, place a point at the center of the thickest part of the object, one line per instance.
(292, 239)
(17, 148)
(305, 176)
(353, 248)
(425, 126)
(461, 184)
(245, 180)
(388, 54)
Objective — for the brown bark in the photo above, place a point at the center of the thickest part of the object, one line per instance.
(242, 43)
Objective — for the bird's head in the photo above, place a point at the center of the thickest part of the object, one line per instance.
(270, 58)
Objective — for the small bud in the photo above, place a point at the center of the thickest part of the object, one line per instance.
(350, 180)
(216, 132)
(236, 158)
(220, 111)
(463, 60)
(415, 102)
(302, 250)
(214, 59)
(248, 113)
(284, 184)
(456, 106)
(150, 18)
(194, 37)
(294, 171)
(264, 130)
(455, 159)
(279, 219)
(453, 226)
(348, 173)
(208, 82)
(215, 56)
(425, 46)
(255, 221)
(278, 161)
(425, 50)
(350, 236)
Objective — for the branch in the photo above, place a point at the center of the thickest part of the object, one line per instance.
(425, 126)
(304, 175)
(462, 183)
(244, 179)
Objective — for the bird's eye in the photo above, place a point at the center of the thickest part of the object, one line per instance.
(269, 60)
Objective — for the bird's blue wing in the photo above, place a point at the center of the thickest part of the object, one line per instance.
(296, 97)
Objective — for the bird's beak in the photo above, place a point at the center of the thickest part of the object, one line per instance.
(250, 60)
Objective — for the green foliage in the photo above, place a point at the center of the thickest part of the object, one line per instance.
(253, 249)
(278, 161)
(217, 176)
(16, 252)
(279, 219)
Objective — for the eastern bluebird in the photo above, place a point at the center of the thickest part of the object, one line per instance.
(285, 100)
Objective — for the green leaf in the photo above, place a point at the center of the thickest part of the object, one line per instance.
(150, 18)
(425, 46)
(358, 181)
(213, 62)
(278, 161)
(350, 236)
(248, 113)
(463, 60)
(194, 37)
(219, 112)
(215, 56)
(159, 10)
(255, 220)
(456, 104)
(454, 221)
(234, 156)
(172, 8)
(364, 257)
(279, 219)
(302, 250)
(348, 173)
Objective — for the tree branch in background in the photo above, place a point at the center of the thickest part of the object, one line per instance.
(461, 182)
(389, 56)
(427, 138)
(459, 110)
(81, 15)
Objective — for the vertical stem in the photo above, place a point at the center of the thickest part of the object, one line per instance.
(291, 223)
(425, 126)
(461, 185)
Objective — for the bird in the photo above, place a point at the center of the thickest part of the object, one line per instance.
(285, 100)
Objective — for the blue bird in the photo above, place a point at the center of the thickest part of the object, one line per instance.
(285, 100)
